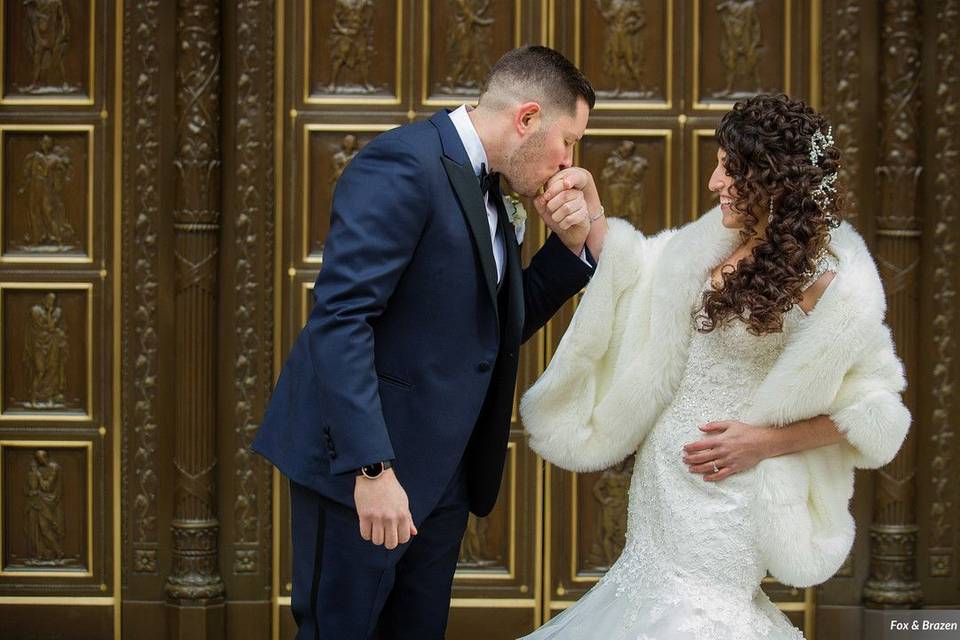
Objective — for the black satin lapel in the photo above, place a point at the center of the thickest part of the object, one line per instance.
(513, 271)
(467, 188)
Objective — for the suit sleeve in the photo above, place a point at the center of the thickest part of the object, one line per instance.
(378, 216)
(555, 274)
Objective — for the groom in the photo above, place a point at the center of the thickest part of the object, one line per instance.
(392, 413)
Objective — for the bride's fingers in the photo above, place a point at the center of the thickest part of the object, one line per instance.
(555, 186)
(715, 427)
(704, 468)
(725, 472)
(573, 219)
(700, 445)
(700, 458)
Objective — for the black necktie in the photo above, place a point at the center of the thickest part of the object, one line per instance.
(487, 180)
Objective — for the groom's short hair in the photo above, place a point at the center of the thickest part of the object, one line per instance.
(535, 73)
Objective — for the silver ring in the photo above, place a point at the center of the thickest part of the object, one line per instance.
(715, 468)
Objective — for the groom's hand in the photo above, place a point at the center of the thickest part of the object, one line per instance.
(384, 510)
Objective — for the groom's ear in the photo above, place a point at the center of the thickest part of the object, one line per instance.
(527, 118)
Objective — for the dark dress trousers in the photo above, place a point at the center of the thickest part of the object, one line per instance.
(410, 355)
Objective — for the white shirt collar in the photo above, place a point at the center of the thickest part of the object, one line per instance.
(470, 138)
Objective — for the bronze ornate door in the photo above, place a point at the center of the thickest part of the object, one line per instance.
(166, 171)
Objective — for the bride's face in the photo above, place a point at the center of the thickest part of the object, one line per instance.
(721, 183)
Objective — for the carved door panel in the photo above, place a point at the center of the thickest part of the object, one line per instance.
(58, 321)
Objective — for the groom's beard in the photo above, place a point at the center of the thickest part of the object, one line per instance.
(521, 165)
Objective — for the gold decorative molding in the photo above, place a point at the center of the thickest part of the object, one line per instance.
(816, 54)
(87, 446)
(493, 603)
(464, 603)
(116, 439)
(547, 599)
(279, 148)
(61, 601)
(46, 258)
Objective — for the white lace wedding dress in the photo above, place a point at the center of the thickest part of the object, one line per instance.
(690, 569)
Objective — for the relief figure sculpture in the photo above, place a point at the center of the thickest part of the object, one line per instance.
(623, 53)
(351, 45)
(43, 522)
(740, 45)
(611, 492)
(45, 354)
(472, 548)
(468, 40)
(623, 175)
(45, 172)
(348, 149)
(48, 34)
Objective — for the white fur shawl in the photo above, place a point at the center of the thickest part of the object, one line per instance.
(620, 362)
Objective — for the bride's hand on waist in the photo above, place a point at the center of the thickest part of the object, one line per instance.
(729, 448)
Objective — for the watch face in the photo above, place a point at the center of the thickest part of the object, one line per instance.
(372, 470)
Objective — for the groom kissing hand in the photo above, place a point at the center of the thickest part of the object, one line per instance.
(392, 413)
(570, 207)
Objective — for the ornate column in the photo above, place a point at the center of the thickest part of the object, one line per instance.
(893, 534)
(194, 580)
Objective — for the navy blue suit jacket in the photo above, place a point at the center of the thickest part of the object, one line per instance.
(406, 355)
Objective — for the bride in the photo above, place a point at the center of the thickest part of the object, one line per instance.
(745, 359)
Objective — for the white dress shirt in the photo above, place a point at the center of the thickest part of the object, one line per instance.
(471, 142)
(478, 156)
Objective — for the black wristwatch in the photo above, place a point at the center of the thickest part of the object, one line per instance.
(374, 470)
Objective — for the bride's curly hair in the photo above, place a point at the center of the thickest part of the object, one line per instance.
(767, 139)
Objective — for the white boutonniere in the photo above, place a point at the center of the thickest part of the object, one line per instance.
(517, 215)
(515, 211)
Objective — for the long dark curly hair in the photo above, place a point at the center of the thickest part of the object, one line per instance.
(767, 140)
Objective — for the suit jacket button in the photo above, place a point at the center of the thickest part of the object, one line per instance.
(333, 455)
(483, 366)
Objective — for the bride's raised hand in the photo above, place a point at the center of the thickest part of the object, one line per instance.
(730, 447)
(574, 184)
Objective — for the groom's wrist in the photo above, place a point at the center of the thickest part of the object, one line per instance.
(375, 470)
